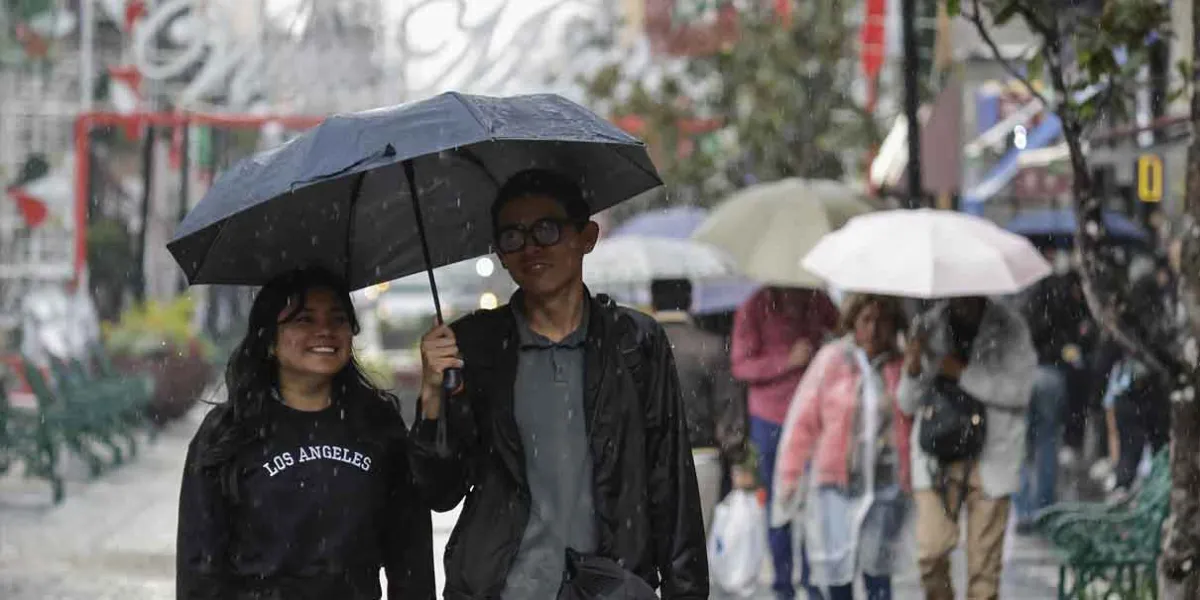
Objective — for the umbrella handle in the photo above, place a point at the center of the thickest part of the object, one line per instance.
(452, 379)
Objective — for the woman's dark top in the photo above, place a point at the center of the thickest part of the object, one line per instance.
(322, 502)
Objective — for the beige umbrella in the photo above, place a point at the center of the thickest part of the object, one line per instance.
(768, 228)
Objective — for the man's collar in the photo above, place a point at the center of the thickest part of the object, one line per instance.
(528, 338)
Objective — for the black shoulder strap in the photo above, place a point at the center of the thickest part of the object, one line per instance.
(631, 350)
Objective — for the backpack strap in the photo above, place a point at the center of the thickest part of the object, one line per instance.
(633, 355)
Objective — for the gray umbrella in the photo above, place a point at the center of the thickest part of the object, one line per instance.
(385, 193)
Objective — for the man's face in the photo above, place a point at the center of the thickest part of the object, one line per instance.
(549, 248)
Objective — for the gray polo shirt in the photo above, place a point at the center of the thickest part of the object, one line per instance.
(549, 409)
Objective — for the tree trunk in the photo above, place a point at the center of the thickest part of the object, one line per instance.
(1104, 283)
(1181, 544)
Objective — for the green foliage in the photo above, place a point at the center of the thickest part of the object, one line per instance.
(1078, 48)
(157, 327)
(781, 95)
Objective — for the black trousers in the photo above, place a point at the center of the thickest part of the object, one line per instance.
(1143, 418)
(1081, 409)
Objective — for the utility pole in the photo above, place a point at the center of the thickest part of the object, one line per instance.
(912, 102)
(87, 52)
(139, 283)
(1159, 67)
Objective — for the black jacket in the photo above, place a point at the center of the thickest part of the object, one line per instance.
(715, 402)
(322, 501)
(647, 506)
(1056, 312)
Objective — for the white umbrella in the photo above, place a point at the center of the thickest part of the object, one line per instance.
(634, 259)
(768, 227)
(926, 254)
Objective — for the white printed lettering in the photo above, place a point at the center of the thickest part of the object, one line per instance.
(283, 460)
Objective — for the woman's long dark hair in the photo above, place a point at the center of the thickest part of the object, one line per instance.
(252, 374)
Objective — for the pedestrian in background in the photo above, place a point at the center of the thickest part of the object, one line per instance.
(298, 486)
(1054, 318)
(845, 418)
(715, 408)
(983, 348)
(776, 332)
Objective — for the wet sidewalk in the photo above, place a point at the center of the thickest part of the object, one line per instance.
(114, 537)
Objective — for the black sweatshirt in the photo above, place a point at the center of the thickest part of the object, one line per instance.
(323, 501)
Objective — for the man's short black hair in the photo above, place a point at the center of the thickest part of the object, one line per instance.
(671, 294)
(543, 182)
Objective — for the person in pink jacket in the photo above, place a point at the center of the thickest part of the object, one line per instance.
(846, 429)
(775, 334)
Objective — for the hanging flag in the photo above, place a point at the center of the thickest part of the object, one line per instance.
(125, 95)
(35, 46)
(873, 38)
(783, 8)
(134, 11)
(125, 88)
(32, 210)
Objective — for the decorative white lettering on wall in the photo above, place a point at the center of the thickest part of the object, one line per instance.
(227, 67)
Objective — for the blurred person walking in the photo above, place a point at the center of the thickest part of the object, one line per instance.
(846, 420)
(1137, 398)
(715, 406)
(298, 486)
(1055, 319)
(979, 349)
(776, 332)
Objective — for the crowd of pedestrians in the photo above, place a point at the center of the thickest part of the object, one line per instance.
(590, 443)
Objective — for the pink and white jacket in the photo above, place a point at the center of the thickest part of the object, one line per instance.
(824, 422)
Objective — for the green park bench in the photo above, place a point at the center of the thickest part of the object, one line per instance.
(138, 388)
(26, 436)
(82, 420)
(114, 410)
(1110, 551)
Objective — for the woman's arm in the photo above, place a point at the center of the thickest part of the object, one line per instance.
(407, 535)
(750, 364)
(201, 548)
(802, 426)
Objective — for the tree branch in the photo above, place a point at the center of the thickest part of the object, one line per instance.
(1049, 32)
(976, 19)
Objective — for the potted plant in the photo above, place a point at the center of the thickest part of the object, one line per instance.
(158, 339)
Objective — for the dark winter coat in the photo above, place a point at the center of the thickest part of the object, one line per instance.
(715, 402)
(647, 505)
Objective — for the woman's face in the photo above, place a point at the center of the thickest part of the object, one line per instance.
(873, 332)
(317, 340)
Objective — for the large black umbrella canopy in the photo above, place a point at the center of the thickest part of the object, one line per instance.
(340, 195)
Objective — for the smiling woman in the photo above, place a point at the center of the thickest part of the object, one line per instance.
(305, 448)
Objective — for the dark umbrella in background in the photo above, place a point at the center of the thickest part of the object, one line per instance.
(385, 193)
(1056, 228)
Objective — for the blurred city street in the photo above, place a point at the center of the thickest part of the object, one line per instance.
(114, 538)
(844, 255)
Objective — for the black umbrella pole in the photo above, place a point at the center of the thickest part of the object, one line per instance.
(452, 378)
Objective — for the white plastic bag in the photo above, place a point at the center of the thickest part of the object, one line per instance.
(737, 544)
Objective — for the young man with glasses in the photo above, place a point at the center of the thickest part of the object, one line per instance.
(568, 434)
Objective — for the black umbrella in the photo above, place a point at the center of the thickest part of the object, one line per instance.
(385, 193)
